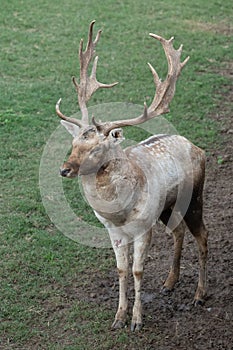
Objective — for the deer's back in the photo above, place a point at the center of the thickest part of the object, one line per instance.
(168, 161)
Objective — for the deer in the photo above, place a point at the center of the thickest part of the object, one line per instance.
(158, 179)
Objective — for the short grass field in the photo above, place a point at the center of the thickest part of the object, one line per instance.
(38, 56)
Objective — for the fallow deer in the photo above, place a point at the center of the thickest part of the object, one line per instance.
(160, 178)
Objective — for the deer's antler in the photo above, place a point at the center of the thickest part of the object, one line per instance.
(164, 89)
(87, 84)
(68, 119)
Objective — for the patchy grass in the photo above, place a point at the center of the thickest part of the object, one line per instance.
(38, 56)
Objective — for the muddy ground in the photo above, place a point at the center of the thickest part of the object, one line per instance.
(176, 323)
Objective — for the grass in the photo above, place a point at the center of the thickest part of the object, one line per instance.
(39, 40)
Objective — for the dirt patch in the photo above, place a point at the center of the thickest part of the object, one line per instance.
(228, 72)
(218, 28)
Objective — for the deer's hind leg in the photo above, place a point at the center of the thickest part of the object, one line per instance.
(194, 221)
(177, 226)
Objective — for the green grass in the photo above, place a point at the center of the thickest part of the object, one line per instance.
(39, 43)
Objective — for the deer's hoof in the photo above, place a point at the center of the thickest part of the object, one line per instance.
(136, 327)
(166, 291)
(118, 324)
(198, 302)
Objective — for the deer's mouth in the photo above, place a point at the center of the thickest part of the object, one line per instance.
(69, 171)
(66, 172)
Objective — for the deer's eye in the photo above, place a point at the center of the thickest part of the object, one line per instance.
(85, 135)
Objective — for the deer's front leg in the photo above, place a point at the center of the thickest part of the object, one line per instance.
(141, 246)
(121, 250)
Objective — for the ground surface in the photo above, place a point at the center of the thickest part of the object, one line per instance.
(175, 323)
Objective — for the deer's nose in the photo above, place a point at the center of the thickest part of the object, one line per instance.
(65, 171)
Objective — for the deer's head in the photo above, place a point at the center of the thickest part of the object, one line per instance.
(94, 144)
(91, 150)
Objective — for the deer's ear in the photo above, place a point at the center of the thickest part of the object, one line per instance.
(71, 128)
(116, 135)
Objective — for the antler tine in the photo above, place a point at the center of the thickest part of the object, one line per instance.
(86, 56)
(90, 36)
(88, 85)
(105, 128)
(68, 119)
(164, 89)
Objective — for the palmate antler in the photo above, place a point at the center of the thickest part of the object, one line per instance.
(164, 89)
(88, 85)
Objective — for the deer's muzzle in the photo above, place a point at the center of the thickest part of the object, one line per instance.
(69, 169)
(65, 172)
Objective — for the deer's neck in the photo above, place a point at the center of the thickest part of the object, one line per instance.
(116, 187)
